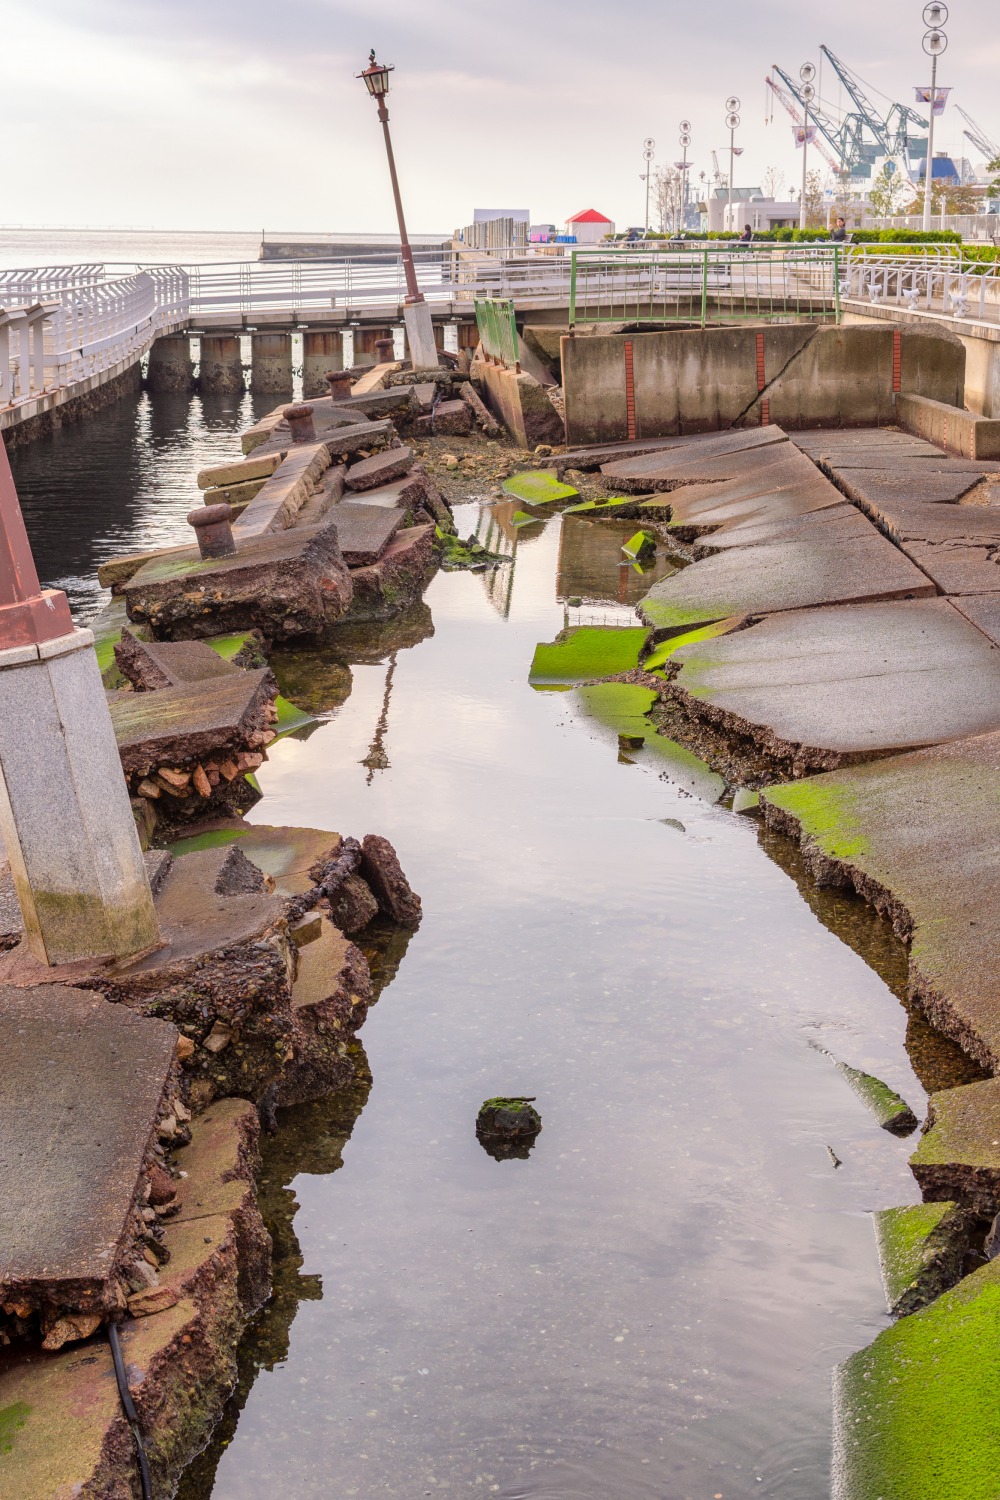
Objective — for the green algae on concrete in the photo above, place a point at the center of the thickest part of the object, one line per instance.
(12, 1419)
(623, 708)
(538, 487)
(608, 506)
(917, 1413)
(959, 1155)
(662, 653)
(890, 1110)
(920, 1251)
(640, 544)
(582, 652)
(825, 809)
(664, 615)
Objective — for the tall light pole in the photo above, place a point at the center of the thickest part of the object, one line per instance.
(416, 313)
(732, 122)
(648, 148)
(685, 140)
(807, 73)
(934, 44)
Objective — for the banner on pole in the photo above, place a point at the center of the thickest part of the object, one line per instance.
(804, 134)
(940, 98)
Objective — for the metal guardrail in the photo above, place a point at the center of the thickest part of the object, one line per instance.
(713, 281)
(949, 287)
(498, 331)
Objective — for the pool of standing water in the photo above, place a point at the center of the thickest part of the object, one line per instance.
(650, 1304)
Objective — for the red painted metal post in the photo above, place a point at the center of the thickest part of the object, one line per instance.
(413, 292)
(29, 614)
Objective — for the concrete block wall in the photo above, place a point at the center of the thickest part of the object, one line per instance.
(638, 385)
(955, 430)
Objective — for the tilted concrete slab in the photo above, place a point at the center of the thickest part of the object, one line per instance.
(150, 665)
(287, 583)
(817, 440)
(606, 453)
(778, 576)
(81, 1090)
(287, 855)
(983, 610)
(958, 546)
(828, 523)
(916, 835)
(175, 726)
(693, 457)
(819, 688)
(364, 531)
(770, 492)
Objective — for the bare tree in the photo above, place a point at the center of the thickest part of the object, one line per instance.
(668, 192)
(814, 200)
(773, 183)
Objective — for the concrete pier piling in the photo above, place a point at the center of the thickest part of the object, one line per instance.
(320, 352)
(65, 815)
(171, 367)
(365, 342)
(271, 366)
(221, 364)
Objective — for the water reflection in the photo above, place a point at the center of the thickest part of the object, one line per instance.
(123, 481)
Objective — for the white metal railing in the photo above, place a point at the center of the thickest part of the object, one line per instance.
(984, 228)
(936, 285)
(62, 325)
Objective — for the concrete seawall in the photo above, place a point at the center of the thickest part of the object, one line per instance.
(648, 385)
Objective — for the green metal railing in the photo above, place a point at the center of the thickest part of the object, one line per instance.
(498, 330)
(716, 282)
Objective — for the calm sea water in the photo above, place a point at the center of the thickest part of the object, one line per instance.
(650, 1306)
(130, 247)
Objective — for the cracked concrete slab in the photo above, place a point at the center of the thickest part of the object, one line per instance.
(787, 575)
(81, 1090)
(692, 457)
(819, 688)
(916, 836)
(842, 522)
(873, 488)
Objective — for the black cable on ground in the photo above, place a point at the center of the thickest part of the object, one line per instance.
(128, 1407)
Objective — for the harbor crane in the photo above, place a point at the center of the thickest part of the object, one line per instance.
(788, 104)
(847, 137)
(977, 135)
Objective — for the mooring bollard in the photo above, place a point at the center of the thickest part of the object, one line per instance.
(340, 384)
(212, 527)
(300, 420)
(383, 351)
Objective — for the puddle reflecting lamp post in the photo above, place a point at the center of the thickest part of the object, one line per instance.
(65, 815)
(807, 73)
(934, 44)
(416, 313)
(732, 124)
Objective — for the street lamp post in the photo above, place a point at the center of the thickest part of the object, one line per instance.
(685, 140)
(416, 313)
(732, 121)
(934, 44)
(648, 149)
(807, 73)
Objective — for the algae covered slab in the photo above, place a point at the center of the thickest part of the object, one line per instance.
(662, 653)
(917, 1413)
(538, 487)
(582, 652)
(959, 1156)
(920, 1251)
(890, 1110)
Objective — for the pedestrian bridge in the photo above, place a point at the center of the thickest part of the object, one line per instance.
(65, 331)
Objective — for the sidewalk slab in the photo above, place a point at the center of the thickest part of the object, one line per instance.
(81, 1091)
(820, 688)
(916, 836)
(718, 456)
(779, 576)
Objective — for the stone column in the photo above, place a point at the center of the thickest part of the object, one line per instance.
(271, 363)
(364, 343)
(221, 364)
(171, 367)
(65, 814)
(320, 352)
(420, 335)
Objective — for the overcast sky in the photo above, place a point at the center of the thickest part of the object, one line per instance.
(240, 114)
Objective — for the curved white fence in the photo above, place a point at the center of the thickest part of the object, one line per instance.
(62, 325)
